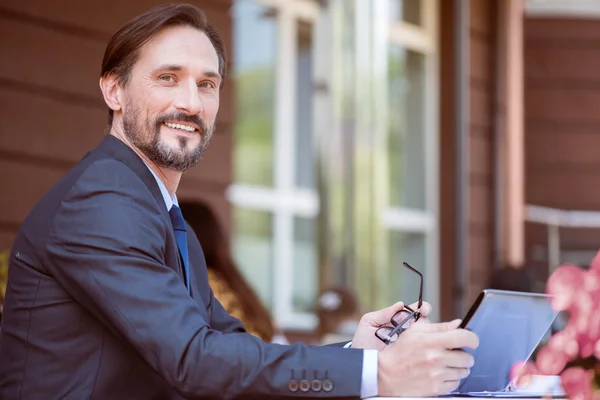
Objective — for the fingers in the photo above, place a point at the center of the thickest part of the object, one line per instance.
(425, 308)
(455, 374)
(383, 316)
(438, 327)
(458, 359)
(455, 339)
(450, 378)
(446, 380)
(402, 316)
(448, 386)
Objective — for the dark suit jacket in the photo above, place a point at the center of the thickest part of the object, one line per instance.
(96, 307)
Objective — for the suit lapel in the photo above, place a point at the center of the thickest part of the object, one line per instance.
(116, 148)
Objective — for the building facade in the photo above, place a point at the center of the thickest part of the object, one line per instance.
(353, 135)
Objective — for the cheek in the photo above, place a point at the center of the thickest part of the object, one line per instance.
(210, 109)
(155, 103)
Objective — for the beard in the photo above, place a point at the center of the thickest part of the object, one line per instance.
(146, 137)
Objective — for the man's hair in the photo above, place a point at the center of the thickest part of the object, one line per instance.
(123, 49)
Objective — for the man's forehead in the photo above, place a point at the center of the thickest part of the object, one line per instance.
(179, 45)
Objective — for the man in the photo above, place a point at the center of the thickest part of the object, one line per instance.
(107, 290)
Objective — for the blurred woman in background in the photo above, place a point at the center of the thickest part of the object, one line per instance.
(226, 281)
(339, 312)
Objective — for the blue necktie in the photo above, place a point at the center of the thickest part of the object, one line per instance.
(181, 237)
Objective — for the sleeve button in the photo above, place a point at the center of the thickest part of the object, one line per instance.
(293, 386)
(304, 385)
(316, 385)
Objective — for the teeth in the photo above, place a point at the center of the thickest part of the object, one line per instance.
(180, 126)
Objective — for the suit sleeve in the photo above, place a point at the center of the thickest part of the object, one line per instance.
(106, 248)
(220, 319)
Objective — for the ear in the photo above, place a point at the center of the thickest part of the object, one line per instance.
(111, 90)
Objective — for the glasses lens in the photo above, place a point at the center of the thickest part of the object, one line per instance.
(384, 333)
(405, 318)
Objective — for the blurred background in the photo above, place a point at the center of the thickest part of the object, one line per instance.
(459, 136)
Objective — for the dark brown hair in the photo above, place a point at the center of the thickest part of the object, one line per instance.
(210, 234)
(123, 49)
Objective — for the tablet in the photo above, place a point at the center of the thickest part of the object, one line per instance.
(510, 325)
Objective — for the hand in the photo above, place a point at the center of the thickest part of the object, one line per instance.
(364, 337)
(426, 360)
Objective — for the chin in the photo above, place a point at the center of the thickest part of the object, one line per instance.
(174, 141)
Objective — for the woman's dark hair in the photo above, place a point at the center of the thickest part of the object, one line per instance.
(335, 305)
(123, 49)
(211, 236)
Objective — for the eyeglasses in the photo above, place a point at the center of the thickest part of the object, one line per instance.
(389, 334)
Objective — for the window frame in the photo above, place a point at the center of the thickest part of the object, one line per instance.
(422, 39)
(284, 200)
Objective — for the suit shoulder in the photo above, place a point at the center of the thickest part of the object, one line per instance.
(111, 170)
(108, 176)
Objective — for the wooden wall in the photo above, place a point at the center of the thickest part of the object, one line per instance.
(481, 138)
(480, 240)
(51, 109)
(562, 125)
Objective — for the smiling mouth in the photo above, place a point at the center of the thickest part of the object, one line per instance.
(181, 127)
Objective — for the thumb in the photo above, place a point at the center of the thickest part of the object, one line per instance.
(383, 316)
(438, 327)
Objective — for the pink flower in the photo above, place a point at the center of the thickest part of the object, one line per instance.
(584, 315)
(595, 264)
(565, 341)
(576, 291)
(584, 320)
(577, 383)
(550, 361)
(522, 373)
(563, 285)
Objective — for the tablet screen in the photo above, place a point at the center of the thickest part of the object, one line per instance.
(510, 325)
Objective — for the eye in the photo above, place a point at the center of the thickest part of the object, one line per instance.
(167, 78)
(206, 85)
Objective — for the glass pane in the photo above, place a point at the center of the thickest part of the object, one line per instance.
(404, 283)
(406, 10)
(253, 72)
(252, 246)
(406, 152)
(304, 119)
(305, 265)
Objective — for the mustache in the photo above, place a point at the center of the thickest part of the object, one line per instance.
(179, 116)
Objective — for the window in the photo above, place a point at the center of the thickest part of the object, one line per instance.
(406, 141)
(274, 196)
(254, 76)
(410, 218)
(291, 103)
(406, 11)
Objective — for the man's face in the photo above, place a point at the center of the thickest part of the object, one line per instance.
(172, 98)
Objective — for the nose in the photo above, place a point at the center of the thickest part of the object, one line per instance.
(188, 99)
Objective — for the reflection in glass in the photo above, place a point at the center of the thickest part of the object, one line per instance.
(305, 170)
(253, 250)
(406, 11)
(253, 72)
(406, 151)
(304, 285)
(403, 283)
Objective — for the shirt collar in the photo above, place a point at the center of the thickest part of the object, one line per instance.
(169, 201)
